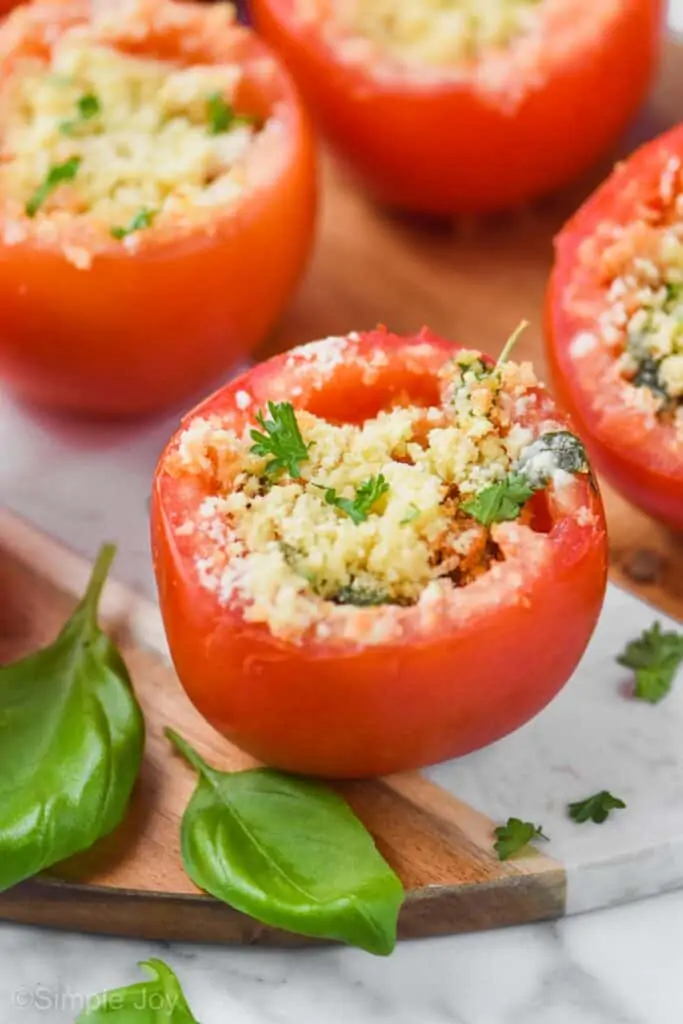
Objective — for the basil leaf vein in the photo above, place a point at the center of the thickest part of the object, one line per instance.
(289, 852)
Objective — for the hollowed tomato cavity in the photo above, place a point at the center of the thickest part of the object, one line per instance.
(365, 474)
(541, 518)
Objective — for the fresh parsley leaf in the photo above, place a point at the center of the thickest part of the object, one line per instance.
(595, 808)
(500, 502)
(281, 438)
(219, 114)
(158, 1000)
(289, 852)
(142, 219)
(674, 293)
(222, 117)
(367, 495)
(361, 597)
(412, 512)
(57, 174)
(655, 657)
(514, 836)
(88, 107)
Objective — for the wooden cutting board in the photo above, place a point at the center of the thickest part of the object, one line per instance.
(472, 282)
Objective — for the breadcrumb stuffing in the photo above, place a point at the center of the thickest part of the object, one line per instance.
(640, 324)
(438, 32)
(297, 549)
(113, 141)
(145, 141)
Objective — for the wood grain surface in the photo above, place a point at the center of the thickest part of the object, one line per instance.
(472, 282)
(133, 883)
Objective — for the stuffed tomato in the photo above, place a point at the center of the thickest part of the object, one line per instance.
(473, 105)
(374, 553)
(615, 326)
(157, 201)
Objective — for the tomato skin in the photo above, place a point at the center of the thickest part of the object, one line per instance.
(644, 463)
(391, 130)
(137, 332)
(350, 711)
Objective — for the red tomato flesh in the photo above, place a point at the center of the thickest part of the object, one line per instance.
(480, 665)
(494, 131)
(622, 242)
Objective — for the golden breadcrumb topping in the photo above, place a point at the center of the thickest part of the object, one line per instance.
(304, 516)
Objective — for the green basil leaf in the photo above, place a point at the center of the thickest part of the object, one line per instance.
(71, 740)
(289, 852)
(157, 1001)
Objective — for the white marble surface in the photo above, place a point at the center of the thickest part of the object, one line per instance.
(623, 966)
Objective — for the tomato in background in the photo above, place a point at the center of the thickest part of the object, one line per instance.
(640, 454)
(508, 127)
(141, 330)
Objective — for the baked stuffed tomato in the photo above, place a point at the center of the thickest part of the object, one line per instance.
(615, 326)
(156, 200)
(374, 553)
(467, 105)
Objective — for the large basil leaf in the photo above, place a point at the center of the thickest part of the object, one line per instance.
(157, 1001)
(289, 852)
(71, 741)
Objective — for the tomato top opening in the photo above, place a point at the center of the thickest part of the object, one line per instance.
(617, 317)
(501, 47)
(372, 489)
(135, 128)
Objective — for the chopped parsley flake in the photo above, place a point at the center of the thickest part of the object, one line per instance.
(57, 174)
(501, 502)
(222, 117)
(142, 219)
(655, 657)
(88, 107)
(412, 512)
(281, 438)
(514, 836)
(367, 495)
(595, 808)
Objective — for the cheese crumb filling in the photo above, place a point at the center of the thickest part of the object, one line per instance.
(389, 512)
(438, 33)
(119, 139)
(641, 267)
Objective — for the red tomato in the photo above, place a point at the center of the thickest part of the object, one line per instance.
(639, 452)
(500, 130)
(451, 683)
(147, 326)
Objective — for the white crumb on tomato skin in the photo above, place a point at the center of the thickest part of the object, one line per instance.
(586, 517)
(243, 400)
(278, 552)
(582, 344)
